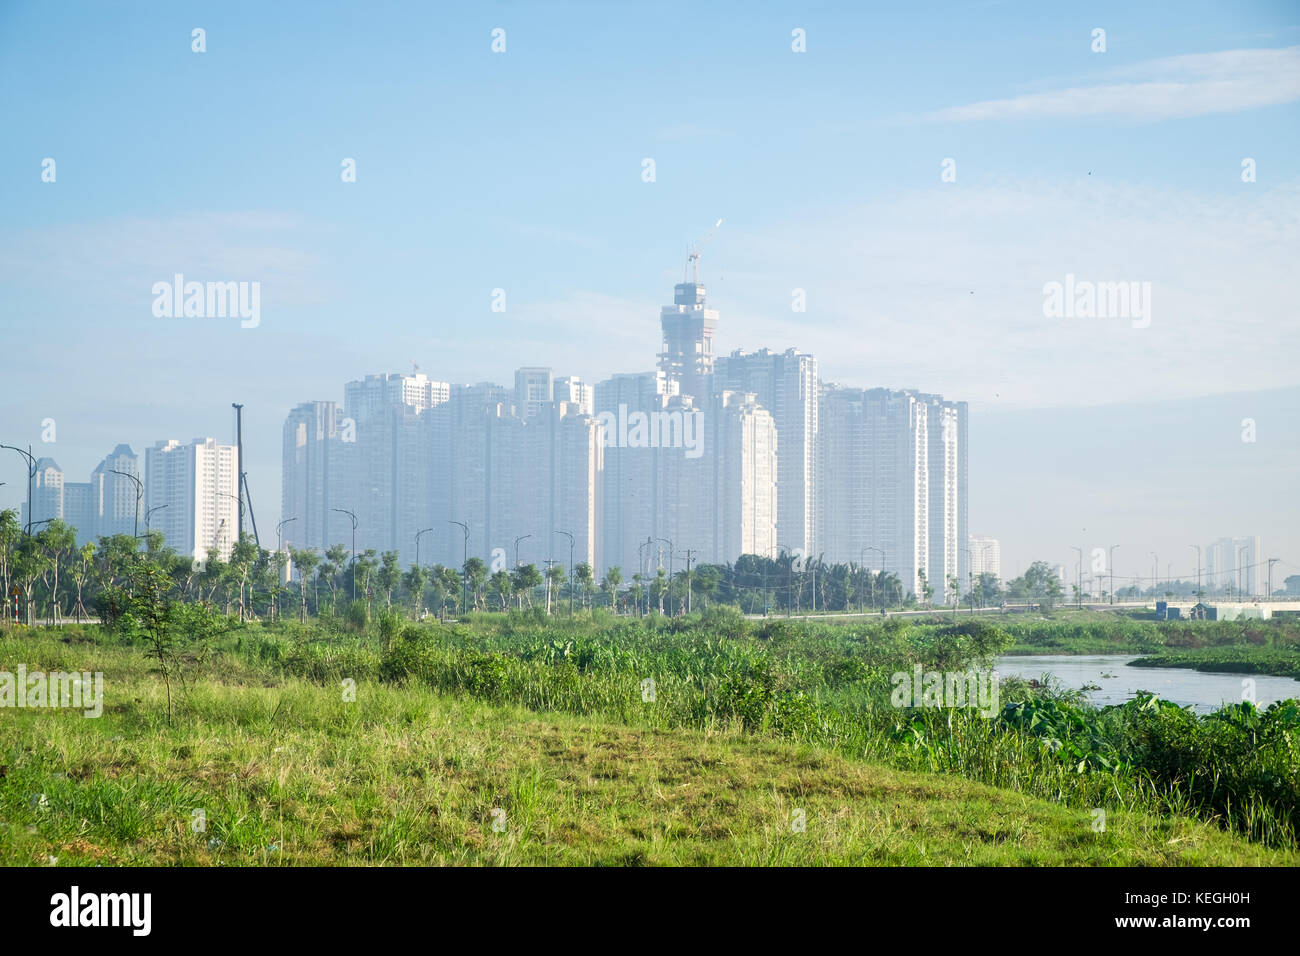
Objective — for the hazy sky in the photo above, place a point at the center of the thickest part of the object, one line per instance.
(523, 171)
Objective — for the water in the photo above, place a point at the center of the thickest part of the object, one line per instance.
(1202, 691)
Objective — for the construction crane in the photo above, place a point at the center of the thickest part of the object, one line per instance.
(693, 260)
(242, 484)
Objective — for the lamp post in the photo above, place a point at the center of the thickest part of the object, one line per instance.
(1198, 569)
(417, 544)
(464, 574)
(880, 552)
(139, 493)
(1155, 573)
(1110, 559)
(31, 476)
(150, 512)
(522, 537)
(571, 543)
(344, 511)
(670, 570)
(278, 539)
(1078, 584)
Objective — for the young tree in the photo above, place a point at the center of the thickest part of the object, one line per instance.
(389, 577)
(502, 587)
(586, 580)
(609, 584)
(304, 562)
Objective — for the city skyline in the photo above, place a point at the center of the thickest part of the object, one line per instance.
(914, 203)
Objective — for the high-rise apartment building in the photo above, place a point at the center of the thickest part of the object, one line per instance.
(1234, 565)
(195, 489)
(893, 480)
(688, 328)
(786, 384)
(116, 505)
(534, 387)
(986, 556)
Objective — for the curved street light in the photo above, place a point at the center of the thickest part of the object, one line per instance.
(354, 548)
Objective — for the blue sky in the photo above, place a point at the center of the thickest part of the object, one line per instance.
(522, 171)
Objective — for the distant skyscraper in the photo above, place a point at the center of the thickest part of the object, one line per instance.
(743, 454)
(198, 484)
(688, 327)
(786, 384)
(1234, 563)
(571, 389)
(892, 478)
(115, 505)
(47, 492)
(986, 557)
(311, 475)
(631, 502)
(533, 389)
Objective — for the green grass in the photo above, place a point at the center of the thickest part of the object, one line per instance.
(544, 718)
(1276, 661)
(293, 775)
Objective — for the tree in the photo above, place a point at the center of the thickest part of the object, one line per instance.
(242, 557)
(389, 577)
(527, 578)
(415, 581)
(609, 584)
(555, 578)
(954, 587)
(502, 586)
(927, 592)
(586, 580)
(304, 562)
(57, 539)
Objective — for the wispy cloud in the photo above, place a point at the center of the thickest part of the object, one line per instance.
(1167, 88)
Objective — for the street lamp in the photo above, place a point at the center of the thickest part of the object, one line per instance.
(1110, 558)
(880, 552)
(31, 476)
(417, 544)
(670, 571)
(571, 542)
(150, 512)
(464, 574)
(344, 511)
(1078, 584)
(139, 493)
(1198, 569)
(278, 539)
(1155, 573)
(522, 537)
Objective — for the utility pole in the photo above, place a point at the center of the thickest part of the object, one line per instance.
(1110, 559)
(354, 548)
(1198, 569)
(690, 553)
(549, 563)
(1155, 574)
(464, 574)
(1271, 562)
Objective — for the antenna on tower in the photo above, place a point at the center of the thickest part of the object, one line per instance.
(414, 368)
(693, 260)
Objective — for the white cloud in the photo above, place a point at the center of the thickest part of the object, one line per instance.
(1167, 88)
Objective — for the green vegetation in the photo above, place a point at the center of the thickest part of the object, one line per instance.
(735, 707)
(288, 772)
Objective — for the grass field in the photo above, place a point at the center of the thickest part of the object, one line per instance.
(457, 733)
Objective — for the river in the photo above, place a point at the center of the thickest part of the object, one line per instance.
(1203, 691)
